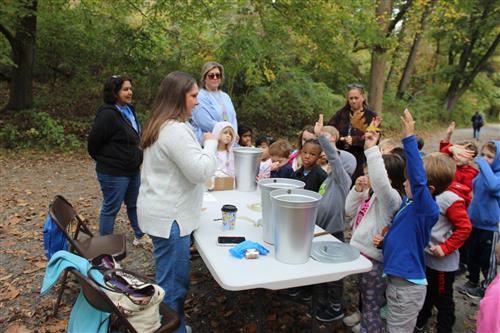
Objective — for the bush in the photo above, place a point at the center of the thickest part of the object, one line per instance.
(32, 129)
(284, 107)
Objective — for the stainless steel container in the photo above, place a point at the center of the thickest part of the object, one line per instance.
(295, 214)
(266, 186)
(246, 165)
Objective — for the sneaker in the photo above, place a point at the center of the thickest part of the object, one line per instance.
(475, 293)
(144, 240)
(188, 329)
(352, 319)
(293, 292)
(467, 286)
(356, 328)
(305, 295)
(329, 313)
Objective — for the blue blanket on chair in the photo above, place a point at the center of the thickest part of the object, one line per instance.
(83, 318)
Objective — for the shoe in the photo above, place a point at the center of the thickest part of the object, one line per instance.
(356, 328)
(467, 286)
(293, 292)
(352, 319)
(329, 313)
(475, 293)
(188, 329)
(144, 240)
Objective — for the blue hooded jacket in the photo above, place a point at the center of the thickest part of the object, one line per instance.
(484, 210)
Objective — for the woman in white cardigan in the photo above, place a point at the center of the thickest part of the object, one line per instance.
(174, 169)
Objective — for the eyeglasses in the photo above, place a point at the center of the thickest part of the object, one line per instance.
(213, 76)
(355, 86)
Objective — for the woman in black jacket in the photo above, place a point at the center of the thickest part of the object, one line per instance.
(113, 143)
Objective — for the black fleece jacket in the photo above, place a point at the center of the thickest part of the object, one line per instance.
(113, 143)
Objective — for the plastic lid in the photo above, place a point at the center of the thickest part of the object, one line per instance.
(333, 252)
(229, 209)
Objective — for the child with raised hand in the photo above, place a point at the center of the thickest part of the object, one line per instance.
(442, 258)
(372, 203)
(310, 172)
(226, 136)
(484, 213)
(409, 232)
(331, 218)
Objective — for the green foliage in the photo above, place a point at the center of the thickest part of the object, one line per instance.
(30, 129)
(284, 107)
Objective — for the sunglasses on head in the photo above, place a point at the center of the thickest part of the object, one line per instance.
(212, 76)
(355, 86)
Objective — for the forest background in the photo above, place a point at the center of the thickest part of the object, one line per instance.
(285, 61)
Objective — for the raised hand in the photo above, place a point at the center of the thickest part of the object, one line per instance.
(318, 127)
(408, 124)
(372, 134)
(450, 129)
(461, 152)
(361, 183)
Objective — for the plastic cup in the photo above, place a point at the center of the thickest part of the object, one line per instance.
(229, 217)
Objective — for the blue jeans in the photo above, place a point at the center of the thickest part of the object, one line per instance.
(172, 270)
(115, 190)
(476, 132)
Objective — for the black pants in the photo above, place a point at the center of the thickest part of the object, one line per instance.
(331, 292)
(439, 294)
(482, 257)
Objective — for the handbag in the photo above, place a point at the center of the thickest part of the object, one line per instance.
(137, 300)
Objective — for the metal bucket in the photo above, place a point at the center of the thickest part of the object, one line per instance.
(266, 186)
(295, 214)
(246, 165)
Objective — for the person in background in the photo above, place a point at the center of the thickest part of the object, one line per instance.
(266, 162)
(173, 175)
(409, 232)
(489, 307)
(226, 137)
(351, 121)
(307, 133)
(113, 143)
(387, 145)
(214, 104)
(484, 213)
(348, 160)
(280, 152)
(245, 134)
(477, 122)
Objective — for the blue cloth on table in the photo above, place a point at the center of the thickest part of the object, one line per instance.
(239, 250)
(83, 317)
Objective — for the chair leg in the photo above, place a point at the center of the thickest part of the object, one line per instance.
(61, 292)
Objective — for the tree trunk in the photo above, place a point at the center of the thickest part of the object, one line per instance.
(23, 56)
(410, 61)
(395, 56)
(378, 60)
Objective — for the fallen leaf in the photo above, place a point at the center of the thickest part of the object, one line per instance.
(17, 328)
(10, 295)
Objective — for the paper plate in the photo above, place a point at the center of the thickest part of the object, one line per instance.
(333, 252)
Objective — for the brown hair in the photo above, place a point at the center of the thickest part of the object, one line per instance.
(307, 128)
(471, 146)
(169, 104)
(207, 67)
(395, 167)
(491, 147)
(440, 171)
(280, 148)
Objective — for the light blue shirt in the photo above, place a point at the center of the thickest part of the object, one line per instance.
(127, 112)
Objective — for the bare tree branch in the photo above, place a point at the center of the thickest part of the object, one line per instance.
(399, 17)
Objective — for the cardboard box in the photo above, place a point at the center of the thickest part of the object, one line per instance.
(223, 183)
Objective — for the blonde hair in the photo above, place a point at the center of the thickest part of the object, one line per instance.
(387, 143)
(440, 171)
(333, 131)
(207, 67)
(280, 148)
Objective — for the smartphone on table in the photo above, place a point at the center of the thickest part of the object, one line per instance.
(229, 240)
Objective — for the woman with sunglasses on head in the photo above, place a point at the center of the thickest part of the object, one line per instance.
(173, 175)
(214, 104)
(113, 143)
(351, 121)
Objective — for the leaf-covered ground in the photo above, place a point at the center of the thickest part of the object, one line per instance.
(29, 181)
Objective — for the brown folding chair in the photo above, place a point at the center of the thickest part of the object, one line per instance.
(89, 246)
(98, 299)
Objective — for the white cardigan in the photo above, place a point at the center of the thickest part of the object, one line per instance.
(384, 203)
(173, 174)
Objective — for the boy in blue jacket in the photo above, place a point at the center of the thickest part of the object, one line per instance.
(410, 230)
(484, 213)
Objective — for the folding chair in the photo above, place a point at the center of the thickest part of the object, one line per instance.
(98, 299)
(66, 218)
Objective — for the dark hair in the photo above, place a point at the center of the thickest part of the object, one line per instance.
(169, 104)
(242, 128)
(420, 142)
(307, 128)
(112, 86)
(358, 87)
(314, 142)
(395, 167)
(399, 151)
(264, 139)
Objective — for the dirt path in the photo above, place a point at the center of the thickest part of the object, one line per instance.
(29, 182)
